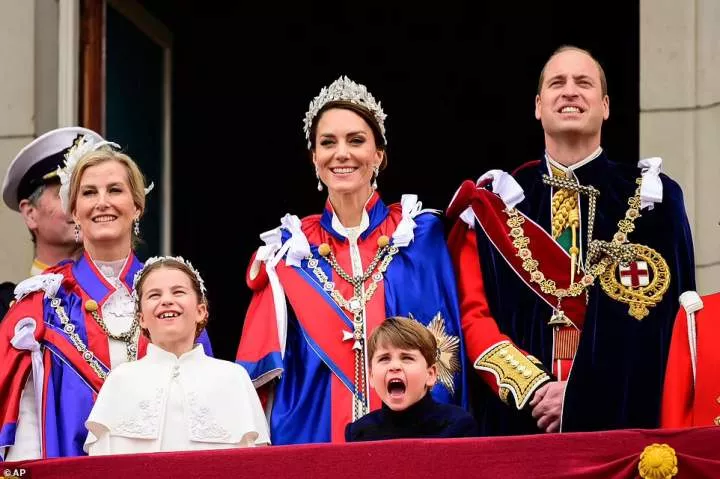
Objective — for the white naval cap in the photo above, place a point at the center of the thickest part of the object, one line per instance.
(38, 162)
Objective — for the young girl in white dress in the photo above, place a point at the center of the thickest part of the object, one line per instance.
(176, 398)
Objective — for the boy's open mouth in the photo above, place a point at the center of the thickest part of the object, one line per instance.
(396, 388)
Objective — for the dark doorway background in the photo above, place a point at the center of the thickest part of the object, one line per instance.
(457, 80)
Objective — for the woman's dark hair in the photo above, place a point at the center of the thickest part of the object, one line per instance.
(363, 113)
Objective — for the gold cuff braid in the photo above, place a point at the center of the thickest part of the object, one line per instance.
(515, 372)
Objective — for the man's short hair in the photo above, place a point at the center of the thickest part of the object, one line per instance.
(565, 48)
(404, 333)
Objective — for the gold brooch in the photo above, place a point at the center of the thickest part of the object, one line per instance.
(658, 461)
(448, 352)
(641, 283)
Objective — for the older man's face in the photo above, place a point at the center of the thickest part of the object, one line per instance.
(47, 219)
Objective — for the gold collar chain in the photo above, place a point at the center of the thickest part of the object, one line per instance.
(357, 302)
(600, 253)
(618, 249)
(128, 337)
(355, 305)
(639, 298)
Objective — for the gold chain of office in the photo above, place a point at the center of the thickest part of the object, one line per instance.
(128, 337)
(600, 253)
(356, 304)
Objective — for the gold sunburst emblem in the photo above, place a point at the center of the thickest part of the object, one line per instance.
(658, 461)
(448, 350)
(639, 295)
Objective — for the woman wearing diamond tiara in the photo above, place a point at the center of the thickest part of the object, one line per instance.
(321, 284)
(76, 321)
(197, 402)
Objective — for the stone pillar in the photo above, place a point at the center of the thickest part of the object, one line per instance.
(28, 107)
(17, 125)
(680, 113)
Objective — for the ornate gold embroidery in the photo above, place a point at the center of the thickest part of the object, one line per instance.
(548, 286)
(563, 203)
(603, 259)
(571, 185)
(503, 394)
(514, 371)
(623, 253)
(639, 298)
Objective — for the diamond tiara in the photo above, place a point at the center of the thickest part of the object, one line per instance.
(157, 259)
(344, 89)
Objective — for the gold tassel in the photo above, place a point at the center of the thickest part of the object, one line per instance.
(574, 220)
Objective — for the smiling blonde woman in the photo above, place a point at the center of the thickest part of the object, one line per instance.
(75, 322)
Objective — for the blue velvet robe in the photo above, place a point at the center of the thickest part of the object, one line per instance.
(617, 377)
(311, 399)
(69, 384)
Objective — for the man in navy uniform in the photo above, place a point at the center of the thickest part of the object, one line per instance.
(31, 187)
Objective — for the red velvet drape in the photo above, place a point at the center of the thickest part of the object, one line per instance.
(602, 455)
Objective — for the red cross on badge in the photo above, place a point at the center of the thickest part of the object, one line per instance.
(635, 275)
